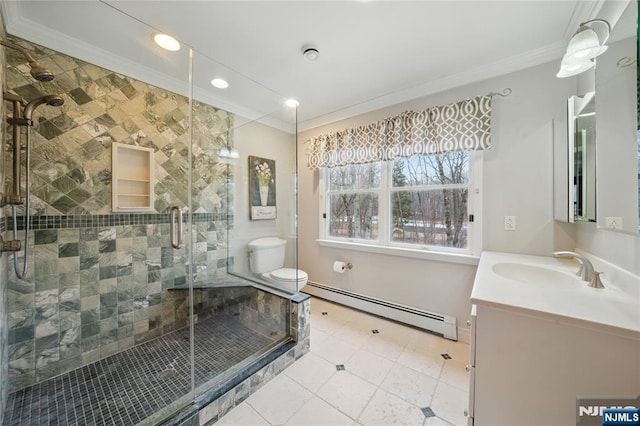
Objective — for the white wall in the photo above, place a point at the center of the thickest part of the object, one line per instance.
(518, 181)
(621, 249)
(259, 140)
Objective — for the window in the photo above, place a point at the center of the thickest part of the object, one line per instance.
(419, 202)
(353, 198)
(406, 185)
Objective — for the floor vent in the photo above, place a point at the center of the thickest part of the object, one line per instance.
(437, 323)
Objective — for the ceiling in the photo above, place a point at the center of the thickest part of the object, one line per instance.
(372, 53)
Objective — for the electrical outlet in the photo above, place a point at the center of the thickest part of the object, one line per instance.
(613, 222)
(509, 223)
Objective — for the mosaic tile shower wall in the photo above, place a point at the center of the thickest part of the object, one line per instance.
(260, 311)
(97, 282)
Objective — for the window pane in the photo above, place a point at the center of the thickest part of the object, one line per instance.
(354, 216)
(441, 169)
(437, 217)
(361, 176)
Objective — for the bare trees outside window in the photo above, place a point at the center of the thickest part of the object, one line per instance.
(354, 201)
(420, 200)
(429, 199)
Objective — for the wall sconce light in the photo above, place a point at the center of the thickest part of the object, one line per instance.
(583, 47)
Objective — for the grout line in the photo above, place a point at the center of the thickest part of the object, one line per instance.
(251, 407)
(342, 321)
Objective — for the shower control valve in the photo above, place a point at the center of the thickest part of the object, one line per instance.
(11, 245)
(10, 199)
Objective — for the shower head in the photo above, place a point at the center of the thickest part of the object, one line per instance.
(40, 73)
(37, 71)
(51, 100)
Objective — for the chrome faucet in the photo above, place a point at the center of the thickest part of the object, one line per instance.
(586, 268)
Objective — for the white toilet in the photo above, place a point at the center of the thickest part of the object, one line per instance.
(266, 258)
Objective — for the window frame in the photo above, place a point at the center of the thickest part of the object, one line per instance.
(384, 244)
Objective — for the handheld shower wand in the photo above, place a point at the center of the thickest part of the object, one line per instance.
(51, 100)
(42, 74)
(16, 121)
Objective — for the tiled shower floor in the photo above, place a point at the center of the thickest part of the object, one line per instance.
(128, 387)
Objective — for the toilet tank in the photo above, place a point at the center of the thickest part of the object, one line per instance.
(266, 254)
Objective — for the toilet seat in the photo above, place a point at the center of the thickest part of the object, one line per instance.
(289, 275)
(294, 279)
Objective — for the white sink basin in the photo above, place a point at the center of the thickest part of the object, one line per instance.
(535, 275)
(548, 287)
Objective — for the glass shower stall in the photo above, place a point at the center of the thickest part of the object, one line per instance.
(138, 305)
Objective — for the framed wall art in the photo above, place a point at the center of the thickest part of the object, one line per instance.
(262, 188)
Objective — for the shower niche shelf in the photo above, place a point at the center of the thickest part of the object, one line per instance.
(132, 174)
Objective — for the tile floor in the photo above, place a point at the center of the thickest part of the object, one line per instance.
(125, 388)
(354, 375)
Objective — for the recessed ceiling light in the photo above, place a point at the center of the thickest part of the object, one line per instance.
(219, 83)
(291, 103)
(166, 42)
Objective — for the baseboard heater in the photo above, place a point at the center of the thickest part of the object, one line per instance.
(437, 323)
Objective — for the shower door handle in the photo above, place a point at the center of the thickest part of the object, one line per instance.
(176, 227)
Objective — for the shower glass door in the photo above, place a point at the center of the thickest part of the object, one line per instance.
(236, 322)
(139, 295)
(101, 324)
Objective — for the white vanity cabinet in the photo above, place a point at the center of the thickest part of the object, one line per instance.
(529, 365)
(530, 370)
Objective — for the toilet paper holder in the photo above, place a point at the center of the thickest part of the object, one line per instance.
(340, 266)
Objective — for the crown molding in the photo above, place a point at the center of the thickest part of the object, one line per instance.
(37, 33)
(495, 69)
(584, 11)
(34, 32)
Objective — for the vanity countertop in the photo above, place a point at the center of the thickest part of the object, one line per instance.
(509, 281)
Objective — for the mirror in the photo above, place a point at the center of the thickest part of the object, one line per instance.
(581, 132)
(618, 147)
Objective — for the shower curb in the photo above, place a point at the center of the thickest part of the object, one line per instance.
(209, 407)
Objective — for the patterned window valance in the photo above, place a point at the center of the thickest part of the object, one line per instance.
(464, 125)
